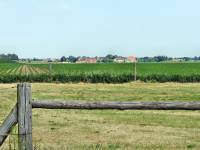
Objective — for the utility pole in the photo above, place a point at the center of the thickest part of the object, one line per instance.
(135, 72)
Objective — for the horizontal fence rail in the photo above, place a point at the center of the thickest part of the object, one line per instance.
(175, 105)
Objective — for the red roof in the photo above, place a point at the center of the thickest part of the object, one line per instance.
(132, 58)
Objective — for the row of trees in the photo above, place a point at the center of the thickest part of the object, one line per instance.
(165, 58)
(110, 58)
(107, 58)
(154, 59)
(9, 57)
(71, 59)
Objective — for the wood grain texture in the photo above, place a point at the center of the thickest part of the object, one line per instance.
(7, 125)
(175, 105)
(24, 116)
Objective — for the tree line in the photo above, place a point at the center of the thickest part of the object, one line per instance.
(165, 58)
(110, 58)
(9, 57)
(105, 59)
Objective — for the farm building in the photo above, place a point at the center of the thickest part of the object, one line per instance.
(119, 60)
(131, 59)
(86, 60)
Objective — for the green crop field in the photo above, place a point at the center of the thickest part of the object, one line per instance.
(142, 68)
(108, 73)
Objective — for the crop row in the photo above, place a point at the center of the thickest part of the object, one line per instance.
(20, 69)
(98, 78)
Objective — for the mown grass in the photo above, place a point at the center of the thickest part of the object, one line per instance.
(110, 129)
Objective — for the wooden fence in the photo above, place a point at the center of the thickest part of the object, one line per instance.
(22, 112)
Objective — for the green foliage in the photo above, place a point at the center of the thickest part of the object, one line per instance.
(63, 59)
(72, 59)
(9, 56)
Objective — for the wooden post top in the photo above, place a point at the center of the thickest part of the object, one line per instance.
(24, 84)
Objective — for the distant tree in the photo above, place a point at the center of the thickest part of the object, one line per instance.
(13, 57)
(110, 56)
(160, 58)
(9, 56)
(36, 59)
(195, 58)
(105, 60)
(170, 58)
(63, 59)
(186, 58)
(146, 59)
(72, 59)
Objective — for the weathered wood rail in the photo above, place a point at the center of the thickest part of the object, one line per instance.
(51, 104)
(7, 125)
(22, 112)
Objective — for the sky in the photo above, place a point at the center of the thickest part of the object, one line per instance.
(53, 28)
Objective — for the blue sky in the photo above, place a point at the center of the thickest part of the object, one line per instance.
(52, 28)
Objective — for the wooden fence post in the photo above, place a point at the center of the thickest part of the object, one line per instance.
(24, 116)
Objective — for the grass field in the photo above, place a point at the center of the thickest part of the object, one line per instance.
(99, 73)
(110, 129)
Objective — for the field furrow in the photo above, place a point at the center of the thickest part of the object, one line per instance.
(32, 71)
(7, 72)
(13, 71)
(18, 71)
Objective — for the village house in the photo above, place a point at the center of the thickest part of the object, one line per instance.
(119, 60)
(131, 59)
(86, 60)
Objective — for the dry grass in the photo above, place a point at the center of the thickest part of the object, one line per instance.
(126, 91)
(110, 129)
(114, 129)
